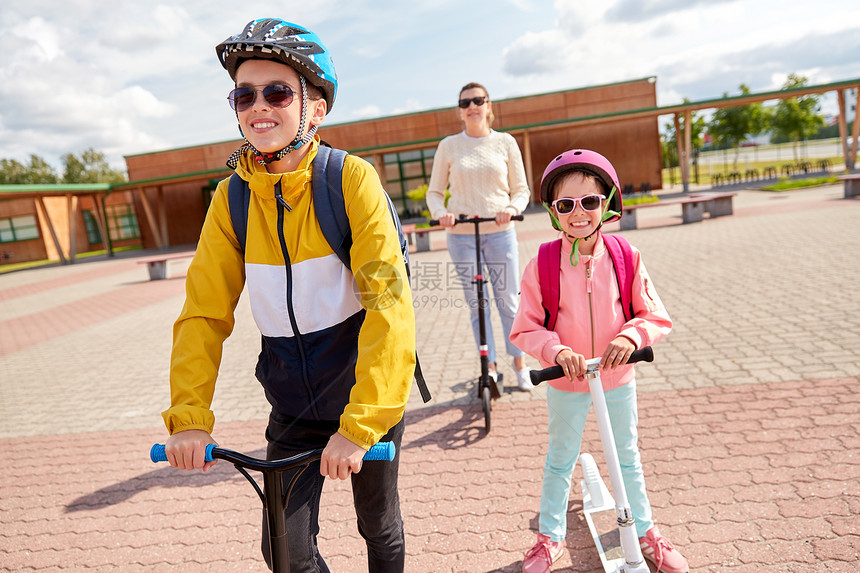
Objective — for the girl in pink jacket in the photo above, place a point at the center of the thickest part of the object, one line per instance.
(580, 189)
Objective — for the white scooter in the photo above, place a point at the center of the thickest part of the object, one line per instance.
(595, 497)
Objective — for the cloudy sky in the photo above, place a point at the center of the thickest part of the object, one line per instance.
(134, 77)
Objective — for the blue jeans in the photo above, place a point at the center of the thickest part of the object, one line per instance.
(500, 261)
(567, 414)
(374, 491)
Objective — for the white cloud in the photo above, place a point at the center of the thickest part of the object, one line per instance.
(409, 106)
(160, 26)
(575, 18)
(537, 53)
(134, 77)
(697, 49)
(41, 39)
(638, 11)
(367, 112)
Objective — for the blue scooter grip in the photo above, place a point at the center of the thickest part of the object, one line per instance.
(383, 451)
(157, 453)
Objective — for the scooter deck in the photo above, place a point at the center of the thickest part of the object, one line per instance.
(604, 529)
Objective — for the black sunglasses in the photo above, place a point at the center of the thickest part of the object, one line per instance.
(464, 103)
(276, 95)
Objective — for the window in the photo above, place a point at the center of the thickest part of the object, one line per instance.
(405, 171)
(94, 237)
(122, 222)
(23, 228)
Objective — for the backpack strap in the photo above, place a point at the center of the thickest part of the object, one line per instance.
(330, 207)
(327, 185)
(238, 198)
(327, 188)
(404, 247)
(622, 258)
(549, 269)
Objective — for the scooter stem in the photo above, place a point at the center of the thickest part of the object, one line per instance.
(634, 562)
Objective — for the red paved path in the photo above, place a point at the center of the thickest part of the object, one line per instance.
(744, 478)
(759, 476)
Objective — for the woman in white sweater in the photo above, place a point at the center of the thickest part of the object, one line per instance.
(483, 171)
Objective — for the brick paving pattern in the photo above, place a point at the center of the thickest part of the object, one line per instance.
(749, 415)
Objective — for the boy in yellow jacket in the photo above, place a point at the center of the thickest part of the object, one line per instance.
(338, 347)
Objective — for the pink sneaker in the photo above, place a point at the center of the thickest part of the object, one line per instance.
(662, 553)
(540, 558)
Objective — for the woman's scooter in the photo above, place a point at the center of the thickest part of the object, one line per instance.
(487, 388)
(595, 497)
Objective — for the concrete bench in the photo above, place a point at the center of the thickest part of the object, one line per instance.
(420, 236)
(852, 185)
(157, 264)
(693, 207)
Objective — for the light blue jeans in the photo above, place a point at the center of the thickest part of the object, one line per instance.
(500, 259)
(567, 414)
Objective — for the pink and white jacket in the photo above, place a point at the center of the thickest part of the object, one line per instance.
(590, 315)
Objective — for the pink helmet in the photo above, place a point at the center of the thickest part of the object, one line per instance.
(582, 160)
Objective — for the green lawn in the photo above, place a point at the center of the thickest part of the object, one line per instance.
(707, 172)
(785, 184)
(45, 262)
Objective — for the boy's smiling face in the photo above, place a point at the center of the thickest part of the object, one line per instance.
(269, 129)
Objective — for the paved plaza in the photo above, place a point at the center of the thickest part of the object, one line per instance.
(749, 414)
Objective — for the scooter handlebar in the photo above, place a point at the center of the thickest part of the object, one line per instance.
(466, 219)
(645, 354)
(383, 451)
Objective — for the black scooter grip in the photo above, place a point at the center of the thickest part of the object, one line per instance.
(465, 219)
(553, 372)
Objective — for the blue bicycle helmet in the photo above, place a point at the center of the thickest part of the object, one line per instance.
(291, 45)
(285, 42)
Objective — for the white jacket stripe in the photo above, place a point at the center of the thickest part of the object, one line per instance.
(324, 295)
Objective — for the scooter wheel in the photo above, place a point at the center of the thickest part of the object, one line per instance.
(485, 402)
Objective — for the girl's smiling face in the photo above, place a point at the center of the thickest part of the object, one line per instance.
(579, 223)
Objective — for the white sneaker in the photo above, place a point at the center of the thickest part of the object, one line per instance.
(523, 380)
(500, 385)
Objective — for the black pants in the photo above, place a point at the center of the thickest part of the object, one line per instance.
(374, 491)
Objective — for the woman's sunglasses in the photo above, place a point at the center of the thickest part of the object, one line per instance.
(479, 101)
(566, 205)
(276, 95)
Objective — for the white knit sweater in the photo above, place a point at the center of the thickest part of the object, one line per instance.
(484, 175)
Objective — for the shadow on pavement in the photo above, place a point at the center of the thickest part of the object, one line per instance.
(165, 476)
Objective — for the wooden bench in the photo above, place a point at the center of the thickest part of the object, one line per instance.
(693, 207)
(157, 264)
(420, 236)
(852, 185)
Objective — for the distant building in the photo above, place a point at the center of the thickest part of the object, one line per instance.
(165, 201)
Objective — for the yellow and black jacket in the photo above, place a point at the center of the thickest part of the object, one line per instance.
(336, 345)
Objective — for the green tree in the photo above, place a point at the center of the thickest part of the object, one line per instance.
(796, 118)
(40, 171)
(670, 151)
(669, 138)
(13, 172)
(697, 125)
(730, 126)
(90, 167)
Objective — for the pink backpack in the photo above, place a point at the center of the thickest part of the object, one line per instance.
(549, 269)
